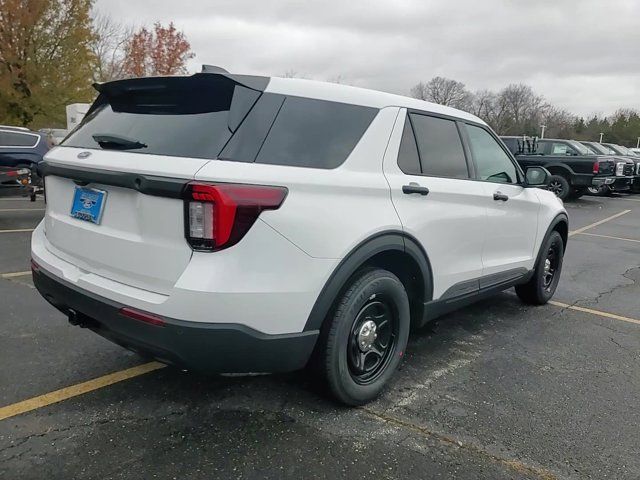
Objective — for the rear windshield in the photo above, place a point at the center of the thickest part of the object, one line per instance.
(212, 116)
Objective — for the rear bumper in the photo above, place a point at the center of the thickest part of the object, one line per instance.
(617, 184)
(205, 347)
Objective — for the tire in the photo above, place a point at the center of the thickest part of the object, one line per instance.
(354, 359)
(541, 288)
(602, 191)
(560, 186)
(577, 192)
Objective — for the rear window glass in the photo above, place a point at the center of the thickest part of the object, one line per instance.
(314, 133)
(184, 117)
(14, 139)
(210, 116)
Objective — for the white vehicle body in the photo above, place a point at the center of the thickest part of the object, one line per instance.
(271, 284)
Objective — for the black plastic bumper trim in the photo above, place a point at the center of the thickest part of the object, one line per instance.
(204, 347)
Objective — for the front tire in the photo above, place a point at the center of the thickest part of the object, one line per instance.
(559, 186)
(367, 336)
(546, 276)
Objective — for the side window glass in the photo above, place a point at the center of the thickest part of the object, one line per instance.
(408, 159)
(440, 147)
(561, 149)
(493, 164)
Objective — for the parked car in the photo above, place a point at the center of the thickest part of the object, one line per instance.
(632, 168)
(573, 167)
(260, 224)
(21, 147)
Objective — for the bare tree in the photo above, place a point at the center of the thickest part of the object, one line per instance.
(444, 91)
(291, 73)
(108, 46)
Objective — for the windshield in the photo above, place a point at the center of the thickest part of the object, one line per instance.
(581, 149)
(597, 148)
(624, 150)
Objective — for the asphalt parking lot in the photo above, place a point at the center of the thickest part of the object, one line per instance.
(497, 390)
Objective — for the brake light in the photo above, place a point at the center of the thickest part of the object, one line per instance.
(217, 216)
(596, 167)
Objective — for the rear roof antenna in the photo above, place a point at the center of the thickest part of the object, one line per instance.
(213, 69)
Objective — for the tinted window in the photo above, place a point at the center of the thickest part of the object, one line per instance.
(408, 159)
(493, 163)
(440, 147)
(561, 149)
(178, 116)
(314, 133)
(14, 139)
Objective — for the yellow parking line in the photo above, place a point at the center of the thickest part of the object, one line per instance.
(75, 390)
(17, 230)
(583, 229)
(14, 274)
(116, 377)
(609, 236)
(22, 209)
(599, 313)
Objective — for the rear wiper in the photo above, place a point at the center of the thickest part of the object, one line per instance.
(117, 142)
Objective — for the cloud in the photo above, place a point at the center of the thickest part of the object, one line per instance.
(581, 55)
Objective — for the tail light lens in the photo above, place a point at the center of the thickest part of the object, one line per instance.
(596, 167)
(217, 216)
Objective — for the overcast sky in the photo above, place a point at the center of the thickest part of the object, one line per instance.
(582, 55)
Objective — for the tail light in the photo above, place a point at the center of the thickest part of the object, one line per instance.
(596, 167)
(217, 216)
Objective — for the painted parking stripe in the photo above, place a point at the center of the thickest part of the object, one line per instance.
(609, 236)
(18, 230)
(598, 313)
(116, 377)
(595, 224)
(75, 390)
(15, 274)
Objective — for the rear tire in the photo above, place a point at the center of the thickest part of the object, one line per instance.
(577, 192)
(366, 337)
(601, 191)
(560, 186)
(546, 276)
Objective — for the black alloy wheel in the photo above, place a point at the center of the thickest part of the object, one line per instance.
(371, 341)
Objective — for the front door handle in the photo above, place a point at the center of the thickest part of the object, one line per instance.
(415, 188)
(500, 196)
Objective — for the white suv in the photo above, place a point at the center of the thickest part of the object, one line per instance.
(230, 223)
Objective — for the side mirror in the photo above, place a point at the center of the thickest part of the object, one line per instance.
(536, 177)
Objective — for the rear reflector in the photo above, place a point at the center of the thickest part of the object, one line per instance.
(34, 266)
(142, 316)
(219, 215)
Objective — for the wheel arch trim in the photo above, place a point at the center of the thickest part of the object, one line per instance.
(393, 240)
(560, 218)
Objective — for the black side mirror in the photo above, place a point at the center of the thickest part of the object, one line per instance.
(536, 177)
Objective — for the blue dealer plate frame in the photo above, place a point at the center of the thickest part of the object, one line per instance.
(88, 204)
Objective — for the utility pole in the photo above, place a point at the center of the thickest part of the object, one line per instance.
(543, 127)
(638, 143)
(601, 135)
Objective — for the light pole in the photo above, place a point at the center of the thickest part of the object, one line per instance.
(638, 143)
(601, 135)
(543, 127)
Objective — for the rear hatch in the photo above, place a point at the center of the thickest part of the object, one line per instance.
(114, 187)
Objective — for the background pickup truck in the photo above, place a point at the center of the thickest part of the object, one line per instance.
(573, 167)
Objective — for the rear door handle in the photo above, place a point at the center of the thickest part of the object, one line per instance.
(500, 196)
(415, 188)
